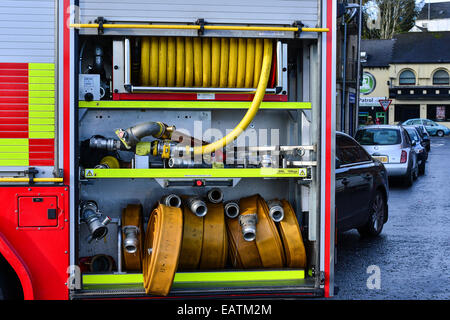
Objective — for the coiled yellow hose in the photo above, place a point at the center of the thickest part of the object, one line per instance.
(201, 62)
(206, 62)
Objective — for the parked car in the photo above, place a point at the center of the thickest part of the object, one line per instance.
(432, 127)
(423, 133)
(362, 189)
(422, 154)
(392, 146)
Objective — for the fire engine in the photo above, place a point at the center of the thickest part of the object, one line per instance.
(156, 149)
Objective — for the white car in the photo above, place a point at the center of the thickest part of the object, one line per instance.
(392, 146)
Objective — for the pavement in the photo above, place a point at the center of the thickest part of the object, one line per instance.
(410, 260)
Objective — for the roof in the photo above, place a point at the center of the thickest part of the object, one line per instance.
(439, 10)
(379, 52)
(421, 47)
(411, 47)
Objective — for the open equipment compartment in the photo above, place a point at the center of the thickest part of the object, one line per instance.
(277, 156)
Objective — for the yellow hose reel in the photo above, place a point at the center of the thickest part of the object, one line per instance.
(201, 62)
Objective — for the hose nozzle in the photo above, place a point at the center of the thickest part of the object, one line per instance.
(130, 241)
(276, 211)
(231, 209)
(215, 195)
(197, 206)
(248, 226)
(89, 214)
(171, 200)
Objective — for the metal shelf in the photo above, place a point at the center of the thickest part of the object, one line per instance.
(202, 173)
(202, 279)
(111, 104)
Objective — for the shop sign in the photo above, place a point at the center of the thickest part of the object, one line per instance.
(368, 83)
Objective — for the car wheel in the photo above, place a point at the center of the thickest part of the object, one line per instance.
(409, 178)
(377, 216)
(422, 168)
(440, 133)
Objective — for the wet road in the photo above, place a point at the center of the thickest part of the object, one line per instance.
(411, 257)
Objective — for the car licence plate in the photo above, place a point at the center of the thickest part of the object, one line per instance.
(383, 159)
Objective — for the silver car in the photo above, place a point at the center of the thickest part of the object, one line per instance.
(392, 146)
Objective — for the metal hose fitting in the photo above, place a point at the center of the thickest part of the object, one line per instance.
(89, 214)
(231, 209)
(171, 200)
(131, 136)
(276, 211)
(105, 144)
(215, 195)
(197, 206)
(130, 241)
(248, 226)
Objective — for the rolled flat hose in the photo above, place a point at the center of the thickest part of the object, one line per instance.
(162, 249)
(267, 240)
(191, 247)
(242, 254)
(215, 243)
(292, 238)
(132, 216)
(188, 62)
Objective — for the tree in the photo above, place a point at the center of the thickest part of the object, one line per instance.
(395, 16)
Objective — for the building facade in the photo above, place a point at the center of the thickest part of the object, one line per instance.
(412, 72)
(348, 65)
(434, 16)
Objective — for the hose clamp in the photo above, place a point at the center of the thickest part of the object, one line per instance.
(298, 24)
(201, 22)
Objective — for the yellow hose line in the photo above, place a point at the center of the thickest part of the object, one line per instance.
(34, 180)
(250, 63)
(206, 59)
(198, 62)
(232, 63)
(224, 59)
(132, 216)
(162, 70)
(215, 62)
(242, 58)
(251, 112)
(180, 62)
(171, 61)
(154, 62)
(145, 60)
(259, 50)
(192, 27)
(162, 246)
(189, 51)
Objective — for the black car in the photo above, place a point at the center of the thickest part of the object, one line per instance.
(361, 189)
(425, 137)
(422, 153)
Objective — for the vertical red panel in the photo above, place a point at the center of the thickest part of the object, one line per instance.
(44, 250)
(328, 142)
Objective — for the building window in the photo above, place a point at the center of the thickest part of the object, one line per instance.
(438, 112)
(407, 77)
(406, 111)
(441, 77)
